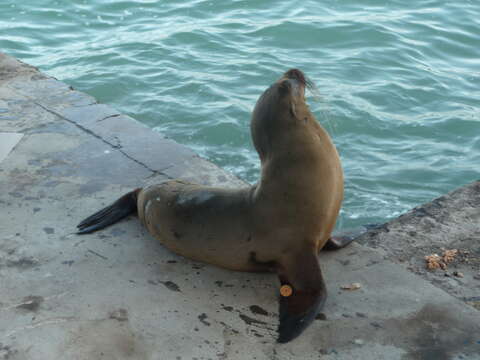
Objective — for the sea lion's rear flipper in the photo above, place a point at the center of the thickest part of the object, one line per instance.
(342, 238)
(338, 242)
(109, 215)
(302, 294)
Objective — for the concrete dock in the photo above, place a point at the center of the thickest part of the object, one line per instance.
(118, 294)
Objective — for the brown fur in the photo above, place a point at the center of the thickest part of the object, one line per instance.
(294, 205)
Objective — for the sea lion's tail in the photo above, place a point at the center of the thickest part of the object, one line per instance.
(120, 209)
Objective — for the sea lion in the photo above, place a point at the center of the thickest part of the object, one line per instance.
(279, 224)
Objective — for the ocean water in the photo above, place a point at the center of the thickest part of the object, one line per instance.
(398, 81)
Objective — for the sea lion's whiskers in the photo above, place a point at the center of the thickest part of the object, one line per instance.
(317, 97)
(328, 121)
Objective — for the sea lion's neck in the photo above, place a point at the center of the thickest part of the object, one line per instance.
(291, 161)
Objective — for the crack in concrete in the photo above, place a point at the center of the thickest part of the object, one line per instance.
(90, 132)
(96, 253)
(108, 117)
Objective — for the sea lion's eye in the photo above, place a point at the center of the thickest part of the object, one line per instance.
(284, 87)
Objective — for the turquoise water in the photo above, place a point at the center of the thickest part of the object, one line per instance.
(399, 81)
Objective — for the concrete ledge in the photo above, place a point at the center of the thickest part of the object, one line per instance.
(448, 222)
(118, 294)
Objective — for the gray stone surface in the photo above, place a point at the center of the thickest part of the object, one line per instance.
(7, 143)
(118, 294)
(449, 222)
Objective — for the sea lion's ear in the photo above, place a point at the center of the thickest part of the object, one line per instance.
(302, 294)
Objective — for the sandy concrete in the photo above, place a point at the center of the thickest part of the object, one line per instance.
(118, 294)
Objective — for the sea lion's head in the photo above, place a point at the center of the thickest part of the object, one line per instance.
(279, 109)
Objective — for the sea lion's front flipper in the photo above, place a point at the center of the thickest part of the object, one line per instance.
(302, 294)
